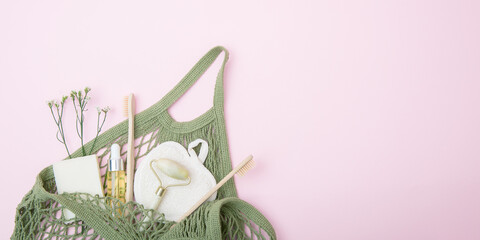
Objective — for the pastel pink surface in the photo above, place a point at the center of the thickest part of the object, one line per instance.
(363, 116)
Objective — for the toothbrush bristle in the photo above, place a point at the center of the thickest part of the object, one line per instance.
(249, 165)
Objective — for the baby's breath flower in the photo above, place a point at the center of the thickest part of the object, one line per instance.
(64, 98)
(50, 103)
(80, 99)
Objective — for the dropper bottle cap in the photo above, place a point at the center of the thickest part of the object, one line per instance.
(116, 162)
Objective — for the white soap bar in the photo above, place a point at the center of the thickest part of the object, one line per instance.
(78, 175)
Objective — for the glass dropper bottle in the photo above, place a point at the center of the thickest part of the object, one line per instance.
(116, 175)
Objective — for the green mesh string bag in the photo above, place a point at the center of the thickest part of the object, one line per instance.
(40, 213)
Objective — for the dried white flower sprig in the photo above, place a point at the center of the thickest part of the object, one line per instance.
(53, 104)
(79, 100)
(100, 111)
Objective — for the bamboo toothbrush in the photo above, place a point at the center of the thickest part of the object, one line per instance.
(241, 168)
(129, 111)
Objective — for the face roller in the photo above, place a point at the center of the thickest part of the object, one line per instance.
(171, 169)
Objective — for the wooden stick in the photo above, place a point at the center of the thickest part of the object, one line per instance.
(214, 189)
(130, 149)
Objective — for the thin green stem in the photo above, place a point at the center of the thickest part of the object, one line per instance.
(59, 124)
(95, 140)
(99, 128)
(76, 114)
(82, 107)
(63, 133)
(53, 115)
(79, 119)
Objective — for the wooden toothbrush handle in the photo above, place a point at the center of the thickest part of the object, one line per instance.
(130, 155)
(214, 189)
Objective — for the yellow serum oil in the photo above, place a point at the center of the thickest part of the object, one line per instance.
(116, 183)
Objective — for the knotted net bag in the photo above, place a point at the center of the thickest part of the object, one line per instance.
(40, 214)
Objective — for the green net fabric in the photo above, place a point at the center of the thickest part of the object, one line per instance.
(40, 214)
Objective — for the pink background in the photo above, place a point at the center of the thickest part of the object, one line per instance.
(363, 116)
